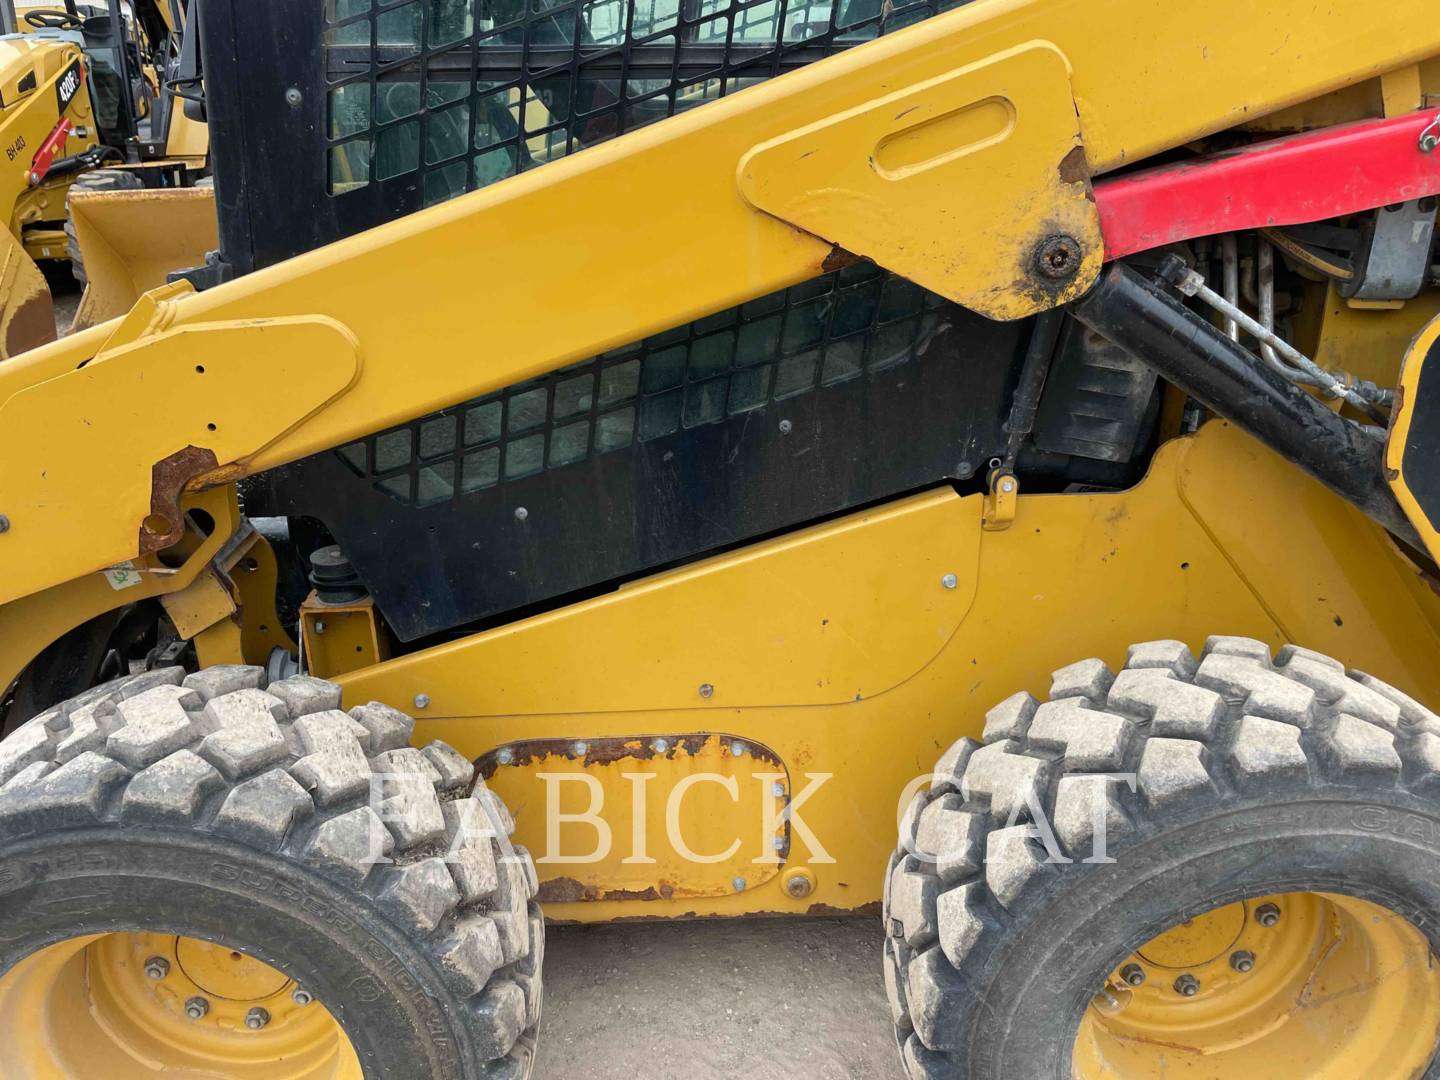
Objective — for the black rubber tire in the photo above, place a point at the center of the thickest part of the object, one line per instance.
(1253, 776)
(215, 806)
(94, 180)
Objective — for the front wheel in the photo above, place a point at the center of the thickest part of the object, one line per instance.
(215, 875)
(1219, 868)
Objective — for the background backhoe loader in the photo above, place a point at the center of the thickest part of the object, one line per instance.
(676, 460)
(90, 104)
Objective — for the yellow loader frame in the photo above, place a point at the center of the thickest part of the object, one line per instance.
(855, 650)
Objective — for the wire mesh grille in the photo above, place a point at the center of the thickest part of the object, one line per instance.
(857, 322)
(467, 92)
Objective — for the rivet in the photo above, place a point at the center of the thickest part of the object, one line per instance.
(949, 581)
(505, 756)
(256, 1019)
(706, 690)
(196, 1008)
(1132, 974)
(738, 748)
(301, 996)
(157, 967)
(521, 513)
(422, 701)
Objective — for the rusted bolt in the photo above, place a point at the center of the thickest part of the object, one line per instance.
(706, 690)
(422, 701)
(1132, 974)
(1242, 961)
(301, 996)
(157, 967)
(196, 1008)
(1267, 915)
(505, 756)
(256, 1019)
(949, 581)
(1187, 985)
(1059, 258)
(4, 524)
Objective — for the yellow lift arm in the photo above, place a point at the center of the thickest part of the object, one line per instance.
(952, 152)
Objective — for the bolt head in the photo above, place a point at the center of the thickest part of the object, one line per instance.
(949, 581)
(196, 1008)
(798, 886)
(660, 746)
(1059, 258)
(4, 524)
(505, 756)
(1132, 975)
(706, 690)
(579, 748)
(786, 427)
(738, 749)
(422, 701)
(738, 884)
(293, 96)
(521, 513)
(1428, 143)
(1242, 961)
(301, 996)
(1007, 486)
(256, 1019)
(1187, 985)
(778, 843)
(778, 790)
(1267, 915)
(157, 967)
(320, 626)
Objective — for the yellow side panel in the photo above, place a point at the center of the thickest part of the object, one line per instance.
(1222, 537)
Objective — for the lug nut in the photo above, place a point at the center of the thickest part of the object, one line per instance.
(157, 967)
(1242, 961)
(1132, 974)
(1267, 915)
(196, 1008)
(256, 1019)
(301, 997)
(1187, 985)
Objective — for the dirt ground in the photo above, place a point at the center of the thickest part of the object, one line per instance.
(791, 999)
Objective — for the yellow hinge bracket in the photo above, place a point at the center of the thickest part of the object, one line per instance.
(1001, 502)
(973, 184)
(93, 462)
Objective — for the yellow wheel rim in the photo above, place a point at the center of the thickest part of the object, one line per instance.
(139, 1005)
(1311, 985)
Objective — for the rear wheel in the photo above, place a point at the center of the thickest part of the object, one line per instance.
(1212, 869)
(208, 875)
(94, 180)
